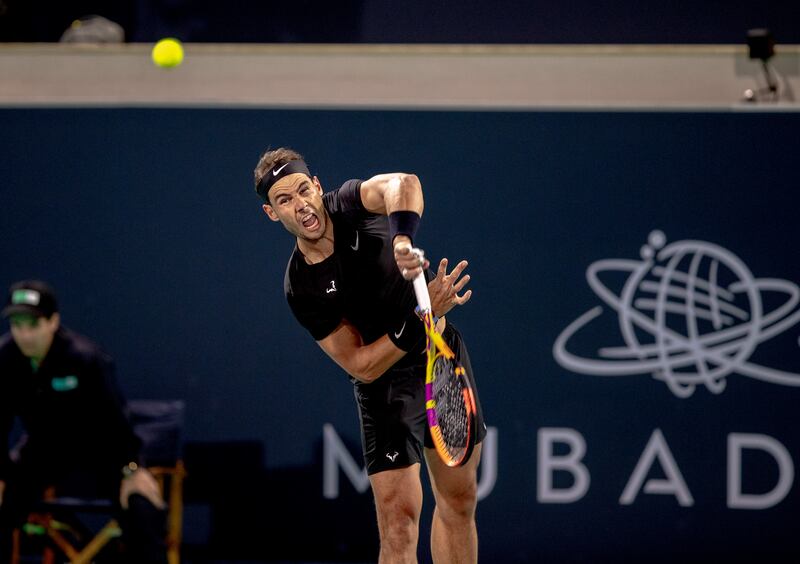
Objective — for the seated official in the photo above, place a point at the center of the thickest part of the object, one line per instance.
(79, 441)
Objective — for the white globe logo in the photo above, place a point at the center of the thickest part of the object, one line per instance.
(690, 313)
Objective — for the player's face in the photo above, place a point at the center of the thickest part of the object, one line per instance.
(33, 335)
(296, 201)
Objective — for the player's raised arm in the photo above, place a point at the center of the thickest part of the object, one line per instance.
(392, 192)
(398, 195)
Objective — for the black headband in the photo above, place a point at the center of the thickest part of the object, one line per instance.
(277, 172)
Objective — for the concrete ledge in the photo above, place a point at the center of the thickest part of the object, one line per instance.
(396, 76)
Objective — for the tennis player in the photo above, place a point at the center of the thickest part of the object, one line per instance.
(347, 283)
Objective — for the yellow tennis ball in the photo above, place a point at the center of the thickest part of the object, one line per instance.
(168, 53)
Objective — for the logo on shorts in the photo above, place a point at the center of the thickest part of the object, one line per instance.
(392, 455)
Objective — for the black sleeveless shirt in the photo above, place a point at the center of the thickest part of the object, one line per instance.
(359, 282)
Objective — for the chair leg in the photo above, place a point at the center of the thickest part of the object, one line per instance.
(109, 532)
(48, 554)
(15, 546)
(62, 544)
(175, 515)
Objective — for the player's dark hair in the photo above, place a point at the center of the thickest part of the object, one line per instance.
(268, 160)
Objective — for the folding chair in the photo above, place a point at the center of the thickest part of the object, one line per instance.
(159, 425)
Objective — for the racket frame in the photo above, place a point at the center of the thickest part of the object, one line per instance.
(436, 347)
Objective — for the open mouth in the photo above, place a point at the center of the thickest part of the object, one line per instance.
(310, 221)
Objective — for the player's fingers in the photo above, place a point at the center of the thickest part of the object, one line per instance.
(458, 286)
(410, 273)
(459, 268)
(411, 262)
(405, 252)
(408, 261)
(461, 300)
(406, 264)
(442, 272)
(402, 249)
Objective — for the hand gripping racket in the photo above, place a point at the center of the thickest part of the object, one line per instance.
(449, 400)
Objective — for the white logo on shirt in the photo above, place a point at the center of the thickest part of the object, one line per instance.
(332, 288)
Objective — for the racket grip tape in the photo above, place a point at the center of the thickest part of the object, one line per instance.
(421, 285)
(421, 290)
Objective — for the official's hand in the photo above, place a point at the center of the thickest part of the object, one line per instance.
(445, 287)
(408, 262)
(143, 483)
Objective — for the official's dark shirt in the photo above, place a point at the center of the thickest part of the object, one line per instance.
(359, 282)
(70, 407)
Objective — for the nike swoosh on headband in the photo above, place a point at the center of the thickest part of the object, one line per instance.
(278, 170)
(287, 168)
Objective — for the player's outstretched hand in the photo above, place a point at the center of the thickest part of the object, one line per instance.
(445, 288)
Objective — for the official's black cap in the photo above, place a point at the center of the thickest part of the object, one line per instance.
(32, 297)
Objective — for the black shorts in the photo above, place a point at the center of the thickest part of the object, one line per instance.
(391, 409)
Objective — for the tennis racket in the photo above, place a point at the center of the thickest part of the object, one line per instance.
(449, 399)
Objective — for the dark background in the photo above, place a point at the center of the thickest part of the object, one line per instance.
(146, 222)
(412, 21)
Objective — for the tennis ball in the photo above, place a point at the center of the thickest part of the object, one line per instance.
(168, 53)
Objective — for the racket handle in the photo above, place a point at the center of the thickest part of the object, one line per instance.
(421, 290)
(421, 286)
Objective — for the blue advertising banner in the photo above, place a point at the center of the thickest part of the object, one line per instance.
(634, 327)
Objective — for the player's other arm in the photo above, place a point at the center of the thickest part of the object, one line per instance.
(363, 362)
(367, 362)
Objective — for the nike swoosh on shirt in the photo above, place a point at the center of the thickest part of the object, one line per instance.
(400, 332)
(355, 247)
(277, 171)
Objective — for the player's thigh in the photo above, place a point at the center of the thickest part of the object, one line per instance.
(398, 491)
(454, 485)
